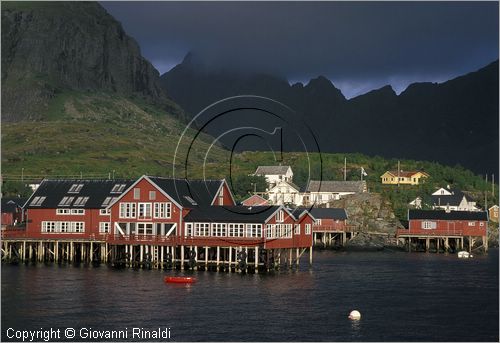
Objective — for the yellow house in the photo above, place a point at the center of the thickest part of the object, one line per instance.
(392, 177)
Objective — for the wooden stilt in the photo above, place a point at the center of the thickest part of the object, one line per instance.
(182, 257)
(218, 257)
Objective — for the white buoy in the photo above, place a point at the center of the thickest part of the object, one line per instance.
(355, 315)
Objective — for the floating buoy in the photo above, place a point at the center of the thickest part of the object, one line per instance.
(179, 279)
(355, 315)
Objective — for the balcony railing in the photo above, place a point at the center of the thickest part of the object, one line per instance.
(443, 232)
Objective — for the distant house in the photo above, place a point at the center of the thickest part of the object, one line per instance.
(255, 200)
(285, 193)
(393, 177)
(493, 211)
(448, 199)
(322, 192)
(275, 174)
(329, 219)
(12, 212)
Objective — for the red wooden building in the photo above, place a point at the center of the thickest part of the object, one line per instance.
(155, 219)
(12, 211)
(444, 226)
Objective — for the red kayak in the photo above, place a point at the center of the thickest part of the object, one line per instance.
(179, 279)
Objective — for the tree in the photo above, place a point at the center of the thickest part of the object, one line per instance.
(244, 185)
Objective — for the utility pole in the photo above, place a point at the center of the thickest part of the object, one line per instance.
(399, 168)
(345, 168)
(486, 194)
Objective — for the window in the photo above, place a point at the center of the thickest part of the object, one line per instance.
(75, 188)
(472, 223)
(219, 230)
(428, 225)
(127, 210)
(162, 210)
(104, 212)
(107, 201)
(144, 228)
(202, 229)
(144, 210)
(77, 227)
(48, 226)
(481, 224)
(118, 188)
(297, 229)
(308, 229)
(37, 201)
(63, 211)
(191, 200)
(66, 201)
(77, 211)
(64, 226)
(104, 227)
(221, 197)
(279, 216)
(254, 230)
(81, 201)
(270, 231)
(236, 230)
(189, 229)
(318, 221)
(137, 193)
(152, 195)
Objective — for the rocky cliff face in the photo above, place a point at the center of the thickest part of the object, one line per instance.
(50, 47)
(370, 212)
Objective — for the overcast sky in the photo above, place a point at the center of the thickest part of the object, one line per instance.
(359, 46)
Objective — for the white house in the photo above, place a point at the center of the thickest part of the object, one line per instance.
(285, 193)
(275, 174)
(448, 199)
(322, 192)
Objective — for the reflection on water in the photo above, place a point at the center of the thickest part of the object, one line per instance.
(402, 297)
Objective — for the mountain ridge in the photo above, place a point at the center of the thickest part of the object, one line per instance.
(430, 121)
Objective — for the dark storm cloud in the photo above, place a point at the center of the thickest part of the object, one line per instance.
(358, 45)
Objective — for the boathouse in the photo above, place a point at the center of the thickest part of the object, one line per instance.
(330, 226)
(155, 221)
(445, 229)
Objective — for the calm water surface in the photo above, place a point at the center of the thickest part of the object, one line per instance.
(401, 296)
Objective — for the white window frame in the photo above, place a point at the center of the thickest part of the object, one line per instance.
(77, 212)
(429, 225)
(63, 211)
(307, 230)
(280, 216)
(144, 210)
(137, 193)
(152, 195)
(188, 229)
(104, 227)
(104, 211)
(127, 210)
(471, 224)
(296, 230)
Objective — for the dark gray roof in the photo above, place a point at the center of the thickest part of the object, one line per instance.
(96, 190)
(336, 186)
(189, 193)
(231, 214)
(443, 215)
(10, 205)
(453, 200)
(329, 213)
(271, 170)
